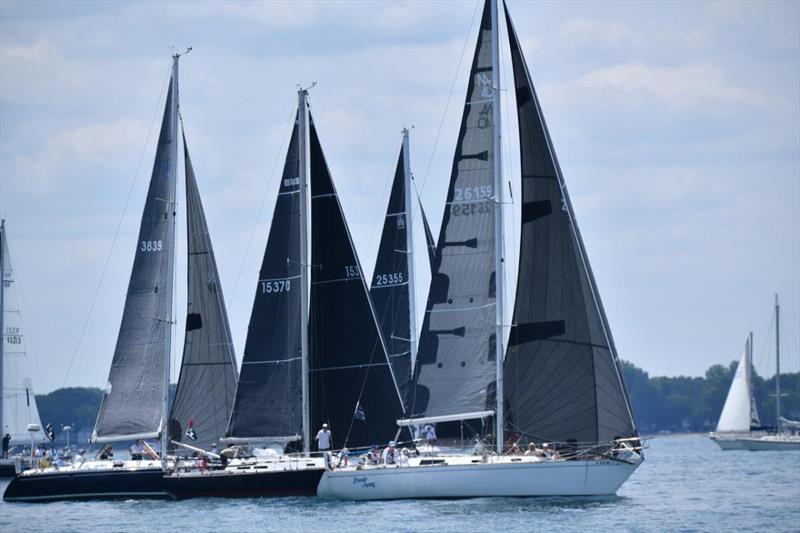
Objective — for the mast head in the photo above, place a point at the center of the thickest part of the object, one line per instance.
(176, 56)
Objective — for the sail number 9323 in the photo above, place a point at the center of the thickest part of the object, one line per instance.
(151, 246)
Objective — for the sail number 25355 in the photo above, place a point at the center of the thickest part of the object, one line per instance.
(151, 246)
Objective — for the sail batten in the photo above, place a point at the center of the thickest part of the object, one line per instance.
(208, 375)
(133, 403)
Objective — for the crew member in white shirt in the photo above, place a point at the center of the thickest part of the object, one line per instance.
(323, 439)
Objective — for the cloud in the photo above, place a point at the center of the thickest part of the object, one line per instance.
(681, 87)
(91, 147)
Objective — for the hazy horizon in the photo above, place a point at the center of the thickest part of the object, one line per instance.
(677, 126)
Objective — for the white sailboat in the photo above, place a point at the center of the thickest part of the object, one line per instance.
(19, 417)
(739, 427)
(557, 379)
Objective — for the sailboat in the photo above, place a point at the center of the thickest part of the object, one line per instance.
(739, 427)
(19, 417)
(558, 380)
(135, 405)
(313, 354)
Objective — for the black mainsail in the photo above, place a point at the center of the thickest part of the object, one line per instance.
(455, 367)
(351, 384)
(562, 375)
(268, 397)
(208, 375)
(134, 403)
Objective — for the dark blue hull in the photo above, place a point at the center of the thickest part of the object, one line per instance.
(87, 485)
(223, 484)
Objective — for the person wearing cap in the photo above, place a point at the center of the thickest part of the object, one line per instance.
(323, 439)
(389, 456)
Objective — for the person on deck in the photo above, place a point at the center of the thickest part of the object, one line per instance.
(430, 434)
(107, 453)
(214, 448)
(389, 456)
(136, 451)
(6, 441)
(324, 439)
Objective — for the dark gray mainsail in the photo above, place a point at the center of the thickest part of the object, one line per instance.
(351, 383)
(562, 375)
(390, 282)
(208, 375)
(268, 397)
(133, 404)
(455, 369)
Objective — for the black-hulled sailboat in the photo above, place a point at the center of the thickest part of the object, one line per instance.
(313, 353)
(559, 379)
(135, 404)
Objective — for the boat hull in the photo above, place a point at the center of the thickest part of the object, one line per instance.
(7, 469)
(94, 484)
(770, 444)
(546, 478)
(251, 483)
(728, 443)
(757, 444)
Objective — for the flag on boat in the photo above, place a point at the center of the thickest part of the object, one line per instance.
(190, 433)
(50, 432)
(360, 414)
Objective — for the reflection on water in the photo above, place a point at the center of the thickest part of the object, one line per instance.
(685, 483)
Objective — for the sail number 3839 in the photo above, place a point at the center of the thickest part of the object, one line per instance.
(151, 246)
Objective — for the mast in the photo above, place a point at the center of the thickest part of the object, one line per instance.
(412, 310)
(171, 257)
(498, 223)
(777, 365)
(303, 154)
(2, 313)
(749, 373)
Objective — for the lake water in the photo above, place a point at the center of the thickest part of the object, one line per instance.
(685, 484)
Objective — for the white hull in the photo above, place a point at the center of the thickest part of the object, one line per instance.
(466, 480)
(756, 443)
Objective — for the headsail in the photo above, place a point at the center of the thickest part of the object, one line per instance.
(133, 404)
(352, 387)
(208, 375)
(390, 282)
(562, 376)
(737, 412)
(18, 402)
(268, 397)
(455, 369)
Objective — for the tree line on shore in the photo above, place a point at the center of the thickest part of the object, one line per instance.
(660, 404)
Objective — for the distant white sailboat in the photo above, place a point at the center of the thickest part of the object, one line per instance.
(19, 417)
(739, 426)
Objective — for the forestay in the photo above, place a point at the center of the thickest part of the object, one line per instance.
(132, 406)
(562, 376)
(455, 368)
(19, 402)
(268, 397)
(208, 375)
(352, 387)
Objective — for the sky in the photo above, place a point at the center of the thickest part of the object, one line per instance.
(677, 126)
